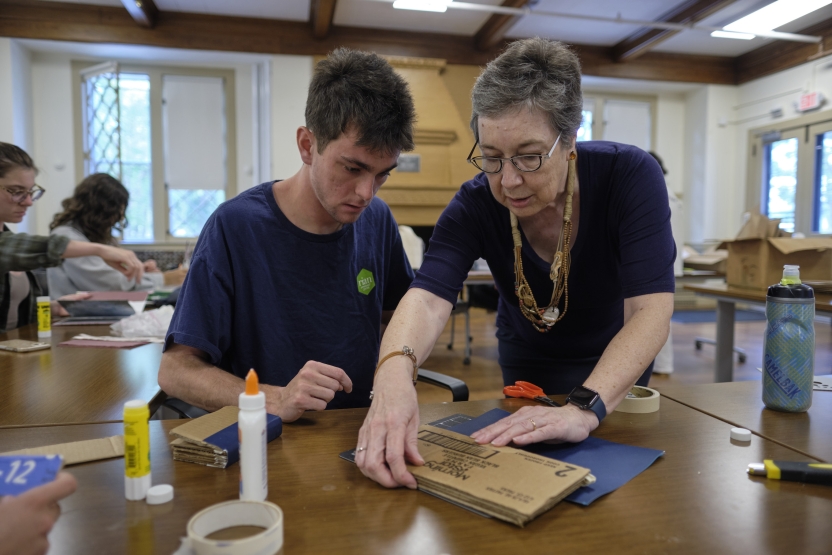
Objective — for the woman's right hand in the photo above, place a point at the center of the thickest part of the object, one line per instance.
(123, 260)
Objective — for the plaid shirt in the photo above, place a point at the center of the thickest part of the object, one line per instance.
(22, 252)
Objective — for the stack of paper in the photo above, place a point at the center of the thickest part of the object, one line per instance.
(212, 440)
(503, 482)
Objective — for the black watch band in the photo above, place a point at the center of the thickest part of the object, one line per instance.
(588, 399)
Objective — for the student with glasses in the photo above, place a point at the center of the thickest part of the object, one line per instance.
(577, 237)
(21, 252)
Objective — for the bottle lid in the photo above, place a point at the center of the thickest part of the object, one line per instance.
(159, 494)
(740, 434)
(252, 398)
(791, 275)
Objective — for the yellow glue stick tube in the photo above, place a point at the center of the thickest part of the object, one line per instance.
(136, 450)
(44, 318)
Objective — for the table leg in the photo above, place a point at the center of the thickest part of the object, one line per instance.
(724, 341)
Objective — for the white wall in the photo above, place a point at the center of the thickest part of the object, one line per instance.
(290, 78)
(53, 139)
(16, 106)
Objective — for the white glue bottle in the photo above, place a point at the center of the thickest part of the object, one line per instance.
(251, 428)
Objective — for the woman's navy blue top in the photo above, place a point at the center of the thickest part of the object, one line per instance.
(623, 248)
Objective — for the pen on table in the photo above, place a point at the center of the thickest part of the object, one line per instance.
(810, 473)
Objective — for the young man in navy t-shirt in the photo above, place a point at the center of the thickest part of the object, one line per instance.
(292, 277)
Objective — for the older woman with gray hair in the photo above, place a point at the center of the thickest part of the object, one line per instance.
(578, 239)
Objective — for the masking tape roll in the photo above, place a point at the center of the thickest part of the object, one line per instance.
(640, 400)
(237, 513)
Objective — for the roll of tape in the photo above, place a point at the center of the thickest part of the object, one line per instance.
(237, 513)
(640, 400)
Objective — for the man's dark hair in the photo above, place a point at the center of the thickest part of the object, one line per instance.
(358, 89)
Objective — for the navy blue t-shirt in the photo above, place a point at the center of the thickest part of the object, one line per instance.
(262, 293)
(624, 248)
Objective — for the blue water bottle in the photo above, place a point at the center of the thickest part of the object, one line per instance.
(789, 344)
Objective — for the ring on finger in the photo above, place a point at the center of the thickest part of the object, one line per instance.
(359, 449)
(534, 426)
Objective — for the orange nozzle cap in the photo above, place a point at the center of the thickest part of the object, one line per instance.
(252, 384)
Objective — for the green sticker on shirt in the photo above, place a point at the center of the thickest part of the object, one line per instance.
(365, 281)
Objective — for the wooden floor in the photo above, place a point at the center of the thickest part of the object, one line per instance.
(485, 380)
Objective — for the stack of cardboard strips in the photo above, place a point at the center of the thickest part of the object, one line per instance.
(503, 482)
(212, 440)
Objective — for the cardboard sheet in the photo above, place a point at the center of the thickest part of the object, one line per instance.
(612, 464)
(79, 451)
(507, 483)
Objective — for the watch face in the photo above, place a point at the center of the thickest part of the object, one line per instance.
(582, 396)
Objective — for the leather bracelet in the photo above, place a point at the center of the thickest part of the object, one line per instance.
(406, 351)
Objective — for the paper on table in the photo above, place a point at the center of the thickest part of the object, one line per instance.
(118, 338)
(612, 464)
(106, 344)
(79, 451)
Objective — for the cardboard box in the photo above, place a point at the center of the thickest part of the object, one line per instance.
(714, 261)
(756, 263)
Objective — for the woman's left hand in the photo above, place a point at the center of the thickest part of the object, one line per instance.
(536, 424)
(58, 310)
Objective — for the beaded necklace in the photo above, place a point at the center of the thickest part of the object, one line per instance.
(544, 319)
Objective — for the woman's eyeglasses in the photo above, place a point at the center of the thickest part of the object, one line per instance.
(523, 162)
(19, 194)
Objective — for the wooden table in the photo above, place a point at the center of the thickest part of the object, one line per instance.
(741, 404)
(68, 385)
(697, 498)
(727, 297)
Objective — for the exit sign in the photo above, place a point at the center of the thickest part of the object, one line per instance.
(809, 101)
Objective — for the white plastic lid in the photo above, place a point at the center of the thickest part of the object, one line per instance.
(135, 404)
(791, 271)
(43, 299)
(740, 434)
(159, 494)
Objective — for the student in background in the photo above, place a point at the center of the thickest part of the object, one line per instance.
(96, 208)
(21, 252)
(26, 519)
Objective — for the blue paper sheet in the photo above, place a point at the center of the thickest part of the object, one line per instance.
(612, 464)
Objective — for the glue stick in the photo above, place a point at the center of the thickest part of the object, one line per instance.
(136, 450)
(44, 318)
(251, 429)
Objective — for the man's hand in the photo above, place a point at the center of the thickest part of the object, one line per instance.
(536, 424)
(388, 437)
(150, 266)
(25, 520)
(311, 389)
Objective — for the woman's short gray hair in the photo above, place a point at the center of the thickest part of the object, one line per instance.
(538, 73)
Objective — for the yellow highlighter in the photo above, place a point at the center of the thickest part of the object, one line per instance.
(810, 473)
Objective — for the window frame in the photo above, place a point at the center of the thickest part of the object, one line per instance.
(805, 129)
(155, 73)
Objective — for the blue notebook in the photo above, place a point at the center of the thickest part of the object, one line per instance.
(612, 464)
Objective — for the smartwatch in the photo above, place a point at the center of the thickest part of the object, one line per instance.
(587, 399)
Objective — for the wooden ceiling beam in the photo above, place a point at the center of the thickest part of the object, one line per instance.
(780, 55)
(647, 38)
(321, 14)
(494, 29)
(143, 12)
(37, 19)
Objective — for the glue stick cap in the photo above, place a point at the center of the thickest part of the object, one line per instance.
(252, 398)
(45, 299)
